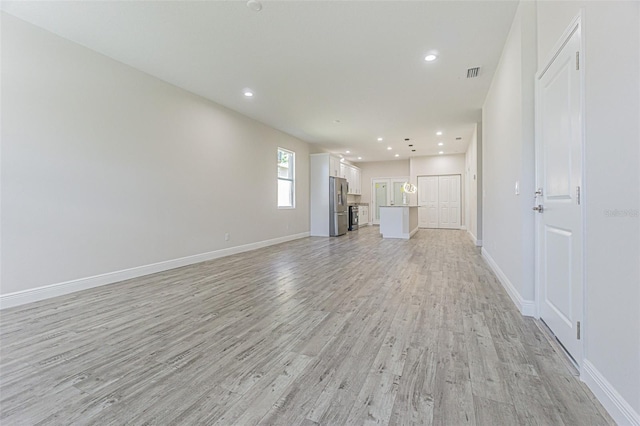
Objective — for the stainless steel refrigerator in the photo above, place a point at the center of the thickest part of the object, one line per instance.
(338, 209)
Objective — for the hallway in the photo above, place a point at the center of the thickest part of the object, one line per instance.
(346, 330)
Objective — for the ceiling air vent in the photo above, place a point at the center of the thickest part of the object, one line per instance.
(473, 72)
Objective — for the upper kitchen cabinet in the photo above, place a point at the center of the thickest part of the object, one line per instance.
(334, 165)
(352, 175)
(327, 163)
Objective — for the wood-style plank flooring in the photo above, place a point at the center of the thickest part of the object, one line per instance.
(332, 331)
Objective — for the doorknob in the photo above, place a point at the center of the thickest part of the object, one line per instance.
(539, 208)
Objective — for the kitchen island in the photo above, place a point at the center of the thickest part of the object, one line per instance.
(398, 221)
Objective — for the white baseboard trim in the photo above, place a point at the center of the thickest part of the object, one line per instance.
(59, 289)
(475, 240)
(526, 307)
(463, 227)
(412, 233)
(608, 396)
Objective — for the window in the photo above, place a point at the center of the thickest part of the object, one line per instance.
(286, 175)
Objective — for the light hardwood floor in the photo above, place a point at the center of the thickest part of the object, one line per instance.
(349, 330)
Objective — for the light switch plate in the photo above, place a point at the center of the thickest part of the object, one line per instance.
(517, 187)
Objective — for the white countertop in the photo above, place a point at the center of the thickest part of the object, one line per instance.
(400, 205)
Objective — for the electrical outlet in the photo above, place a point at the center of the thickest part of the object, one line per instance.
(227, 236)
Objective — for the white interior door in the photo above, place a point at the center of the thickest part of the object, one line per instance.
(449, 201)
(380, 197)
(559, 179)
(428, 201)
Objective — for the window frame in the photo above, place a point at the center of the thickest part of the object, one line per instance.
(292, 156)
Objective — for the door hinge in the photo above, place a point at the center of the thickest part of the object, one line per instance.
(578, 194)
(577, 60)
(578, 330)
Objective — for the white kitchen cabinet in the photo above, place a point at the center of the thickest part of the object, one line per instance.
(335, 166)
(352, 175)
(357, 179)
(363, 215)
(344, 173)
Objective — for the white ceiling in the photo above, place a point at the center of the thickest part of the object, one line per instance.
(309, 62)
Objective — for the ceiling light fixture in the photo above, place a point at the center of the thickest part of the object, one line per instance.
(439, 133)
(379, 139)
(441, 152)
(348, 152)
(254, 5)
(359, 158)
(248, 93)
(397, 155)
(389, 148)
(430, 57)
(440, 143)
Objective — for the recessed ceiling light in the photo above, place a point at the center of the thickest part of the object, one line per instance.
(413, 150)
(439, 133)
(389, 148)
(458, 138)
(254, 5)
(430, 57)
(441, 152)
(348, 152)
(359, 158)
(440, 143)
(379, 139)
(397, 155)
(248, 93)
(406, 139)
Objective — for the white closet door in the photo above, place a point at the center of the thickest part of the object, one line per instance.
(428, 201)
(449, 201)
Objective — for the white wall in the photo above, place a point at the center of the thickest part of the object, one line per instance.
(472, 188)
(508, 157)
(433, 165)
(105, 168)
(611, 32)
(380, 169)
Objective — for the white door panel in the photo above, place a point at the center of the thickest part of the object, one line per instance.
(439, 201)
(428, 201)
(559, 175)
(386, 192)
(449, 193)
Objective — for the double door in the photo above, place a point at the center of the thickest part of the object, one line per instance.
(439, 201)
(387, 192)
